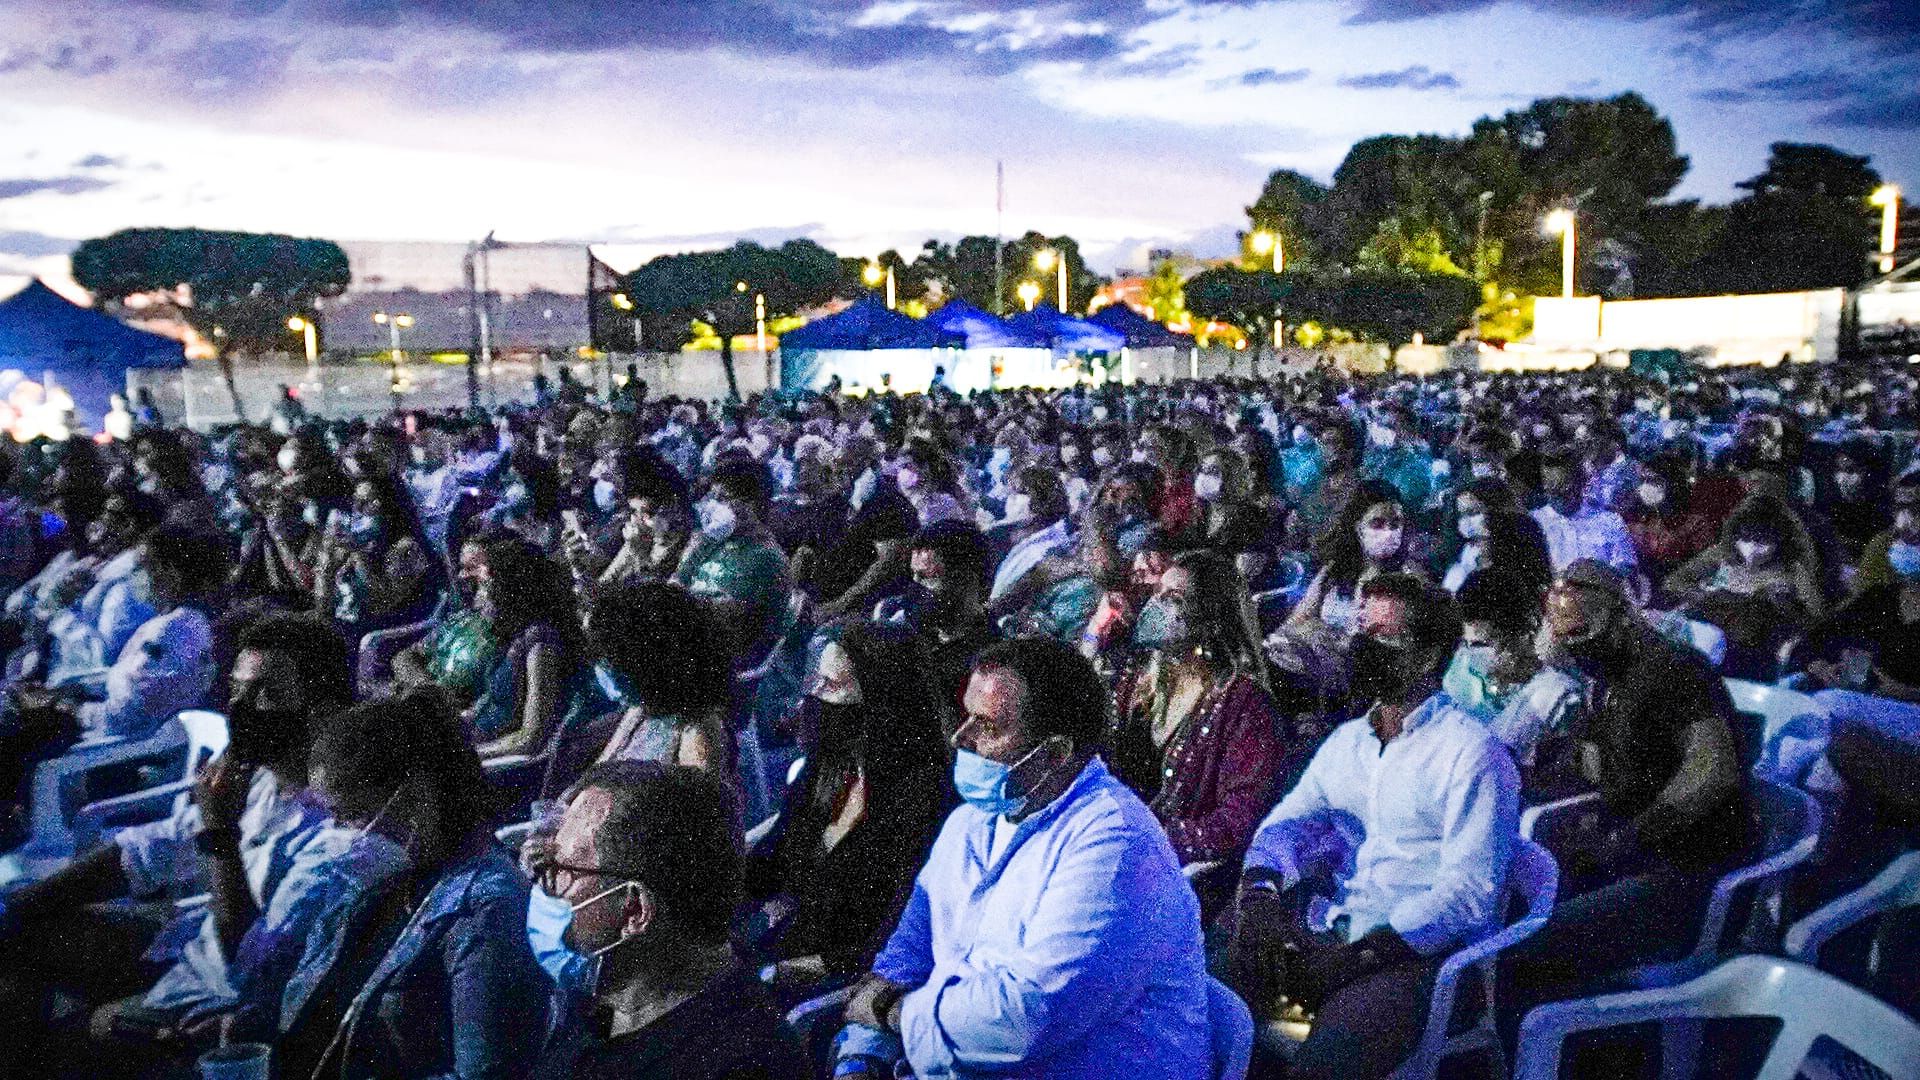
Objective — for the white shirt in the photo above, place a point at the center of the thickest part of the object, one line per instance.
(1589, 534)
(166, 666)
(1029, 553)
(1430, 819)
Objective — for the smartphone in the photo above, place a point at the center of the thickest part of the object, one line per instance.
(571, 518)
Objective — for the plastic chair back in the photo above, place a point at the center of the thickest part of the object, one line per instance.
(1896, 887)
(1533, 879)
(1808, 1003)
(1794, 729)
(1231, 1025)
(59, 785)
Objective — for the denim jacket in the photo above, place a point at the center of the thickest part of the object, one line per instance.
(458, 994)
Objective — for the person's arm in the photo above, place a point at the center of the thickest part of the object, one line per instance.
(1709, 773)
(94, 877)
(498, 995)
(1686, 581)
(1291, 839)
(1044, 575)
(1479, 821)
(1306, 614)
(221, 794)
(541, 687)
(1249, 761)
(1080, 957)
(889, 557)
(1807, 589)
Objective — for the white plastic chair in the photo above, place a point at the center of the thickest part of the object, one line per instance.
(1807, 1002)
(1534, 879)
(1896, 887)
(59, 785)
(1230, 1027)
(1794, 729)
(206, 733)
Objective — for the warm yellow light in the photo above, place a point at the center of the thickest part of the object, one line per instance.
(1884, 195)
(620, 301)
(380, 317)
(1262, 242)
(1044, 258)
(739, 286)
(1029, 291)
(296, 324)
(403, 321)
(872, 274)
(1559, 221)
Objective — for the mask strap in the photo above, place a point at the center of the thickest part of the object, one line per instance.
(381, 813)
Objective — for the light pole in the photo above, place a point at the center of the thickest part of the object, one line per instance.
(1047, 259)
(1887, 198)
(394, 324)
(874, 274)
(1029, 292)
(1264, 242)
(311, 333)
(625, 303)
(1561, 223)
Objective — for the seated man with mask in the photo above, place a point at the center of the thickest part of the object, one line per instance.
(1050, 932)
(631, 915)
(1423, 803)
(1497, 676)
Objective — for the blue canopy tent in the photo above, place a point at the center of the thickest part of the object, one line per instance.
(863, 326)
(1066, 333)
(1140, 331)
(87, 353)
(980, 330)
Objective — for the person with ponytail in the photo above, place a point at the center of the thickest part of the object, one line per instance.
(415, 960)
(1197, 734)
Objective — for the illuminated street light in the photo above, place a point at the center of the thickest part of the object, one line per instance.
(1561, 223)
(311, 333)
(394, 324)
(1887, 198)
(873, 275)
(625, 303)
(1264, 242)
(1029, 291)
(1047, 259)
(621, 301)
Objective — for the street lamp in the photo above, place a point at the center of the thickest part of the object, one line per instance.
(873, 275)
(1264, 242)
(625, 303)
(311, 332)
(1887, 198)
(1029, 291)
(1561, 224)
(394, 324)
(1047, 259)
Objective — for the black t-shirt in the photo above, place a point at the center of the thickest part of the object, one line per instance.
(1872, 621)
(1648, 697)
(886, 515)
(729, 1031)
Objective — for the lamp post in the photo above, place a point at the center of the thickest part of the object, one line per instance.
(1029, 292)
(394, 324)
(1887, 198)
(874, 274)
(625, 303)
(1047, 259)
(1561, 223)
(1265, 242)
(311, 333)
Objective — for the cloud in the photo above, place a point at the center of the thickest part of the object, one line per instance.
(99, 161)
(1822, 85)
(1417, 77)
(34, 245)
(1887, 25)
(1159, 62)
(1898, 112)
(57, 185)
(1270, 77)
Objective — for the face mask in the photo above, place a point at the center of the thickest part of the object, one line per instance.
(548, 920)
(286, 458)
(605, 496)
(983, 783)
(310, 513)
(1302, 437)
(1467, 681)
(1485, 471)
(1019, 507)
(1848, 482)
(417, 454)
(1099, 414)
(907, 478)
(717, 519)
(759, 446)
(863, 486)
(1102, 456)
(1206, 486)
(1138, 456)
(1905, 559)
(1382, 436)
(1161, 625)
(1379, 671)
(1755, 552)
(1380, 543)
(140, 586)
(997, 463)
(364, 529)
(260, 736)
(1473, 527)
(515, 497)
(612, 684)
(1069, 454)
(1652, 495)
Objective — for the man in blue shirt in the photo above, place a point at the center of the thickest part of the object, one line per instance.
(1410, 813)
(1050, 932)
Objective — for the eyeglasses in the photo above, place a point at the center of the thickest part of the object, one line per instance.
(548, 876)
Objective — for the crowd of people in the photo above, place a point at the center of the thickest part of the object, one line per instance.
(589, 737)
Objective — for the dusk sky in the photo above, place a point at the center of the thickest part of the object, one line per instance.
(674, 125)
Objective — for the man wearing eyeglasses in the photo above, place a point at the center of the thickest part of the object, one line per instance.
(631, 913)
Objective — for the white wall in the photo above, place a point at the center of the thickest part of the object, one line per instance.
(1741, 329)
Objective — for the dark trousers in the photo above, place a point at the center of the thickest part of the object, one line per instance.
(93, 953)
(1647, 918)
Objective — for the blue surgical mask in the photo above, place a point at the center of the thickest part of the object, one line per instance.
(717, 520)
(140, 586)
(612, 683)
(1160, 625)
(605, 496)
(983, 783)
(548, 919)
(1905, 558)
(1467, 681)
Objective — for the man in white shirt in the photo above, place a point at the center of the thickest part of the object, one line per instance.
(1409, 814)
(1575, 531)
(1050, 932)
(248, 841)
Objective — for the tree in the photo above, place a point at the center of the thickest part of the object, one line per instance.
(1804, 224)
(1288, 207)
(1248, 299)
(240, 288)
(718, 288)
(1167, 292)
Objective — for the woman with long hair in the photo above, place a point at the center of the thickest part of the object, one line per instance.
(1370, 536)
(659, 657)
(542, 672)
(831, 876)
(415, 960)
(376, 567)
(1196, 733)
(1760, 584)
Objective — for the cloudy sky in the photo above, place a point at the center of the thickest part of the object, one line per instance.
(674, 124)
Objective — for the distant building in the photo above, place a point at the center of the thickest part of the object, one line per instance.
(535, 297)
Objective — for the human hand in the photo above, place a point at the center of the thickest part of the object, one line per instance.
(1261, 952)
(220, 791)
(873, 1002)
